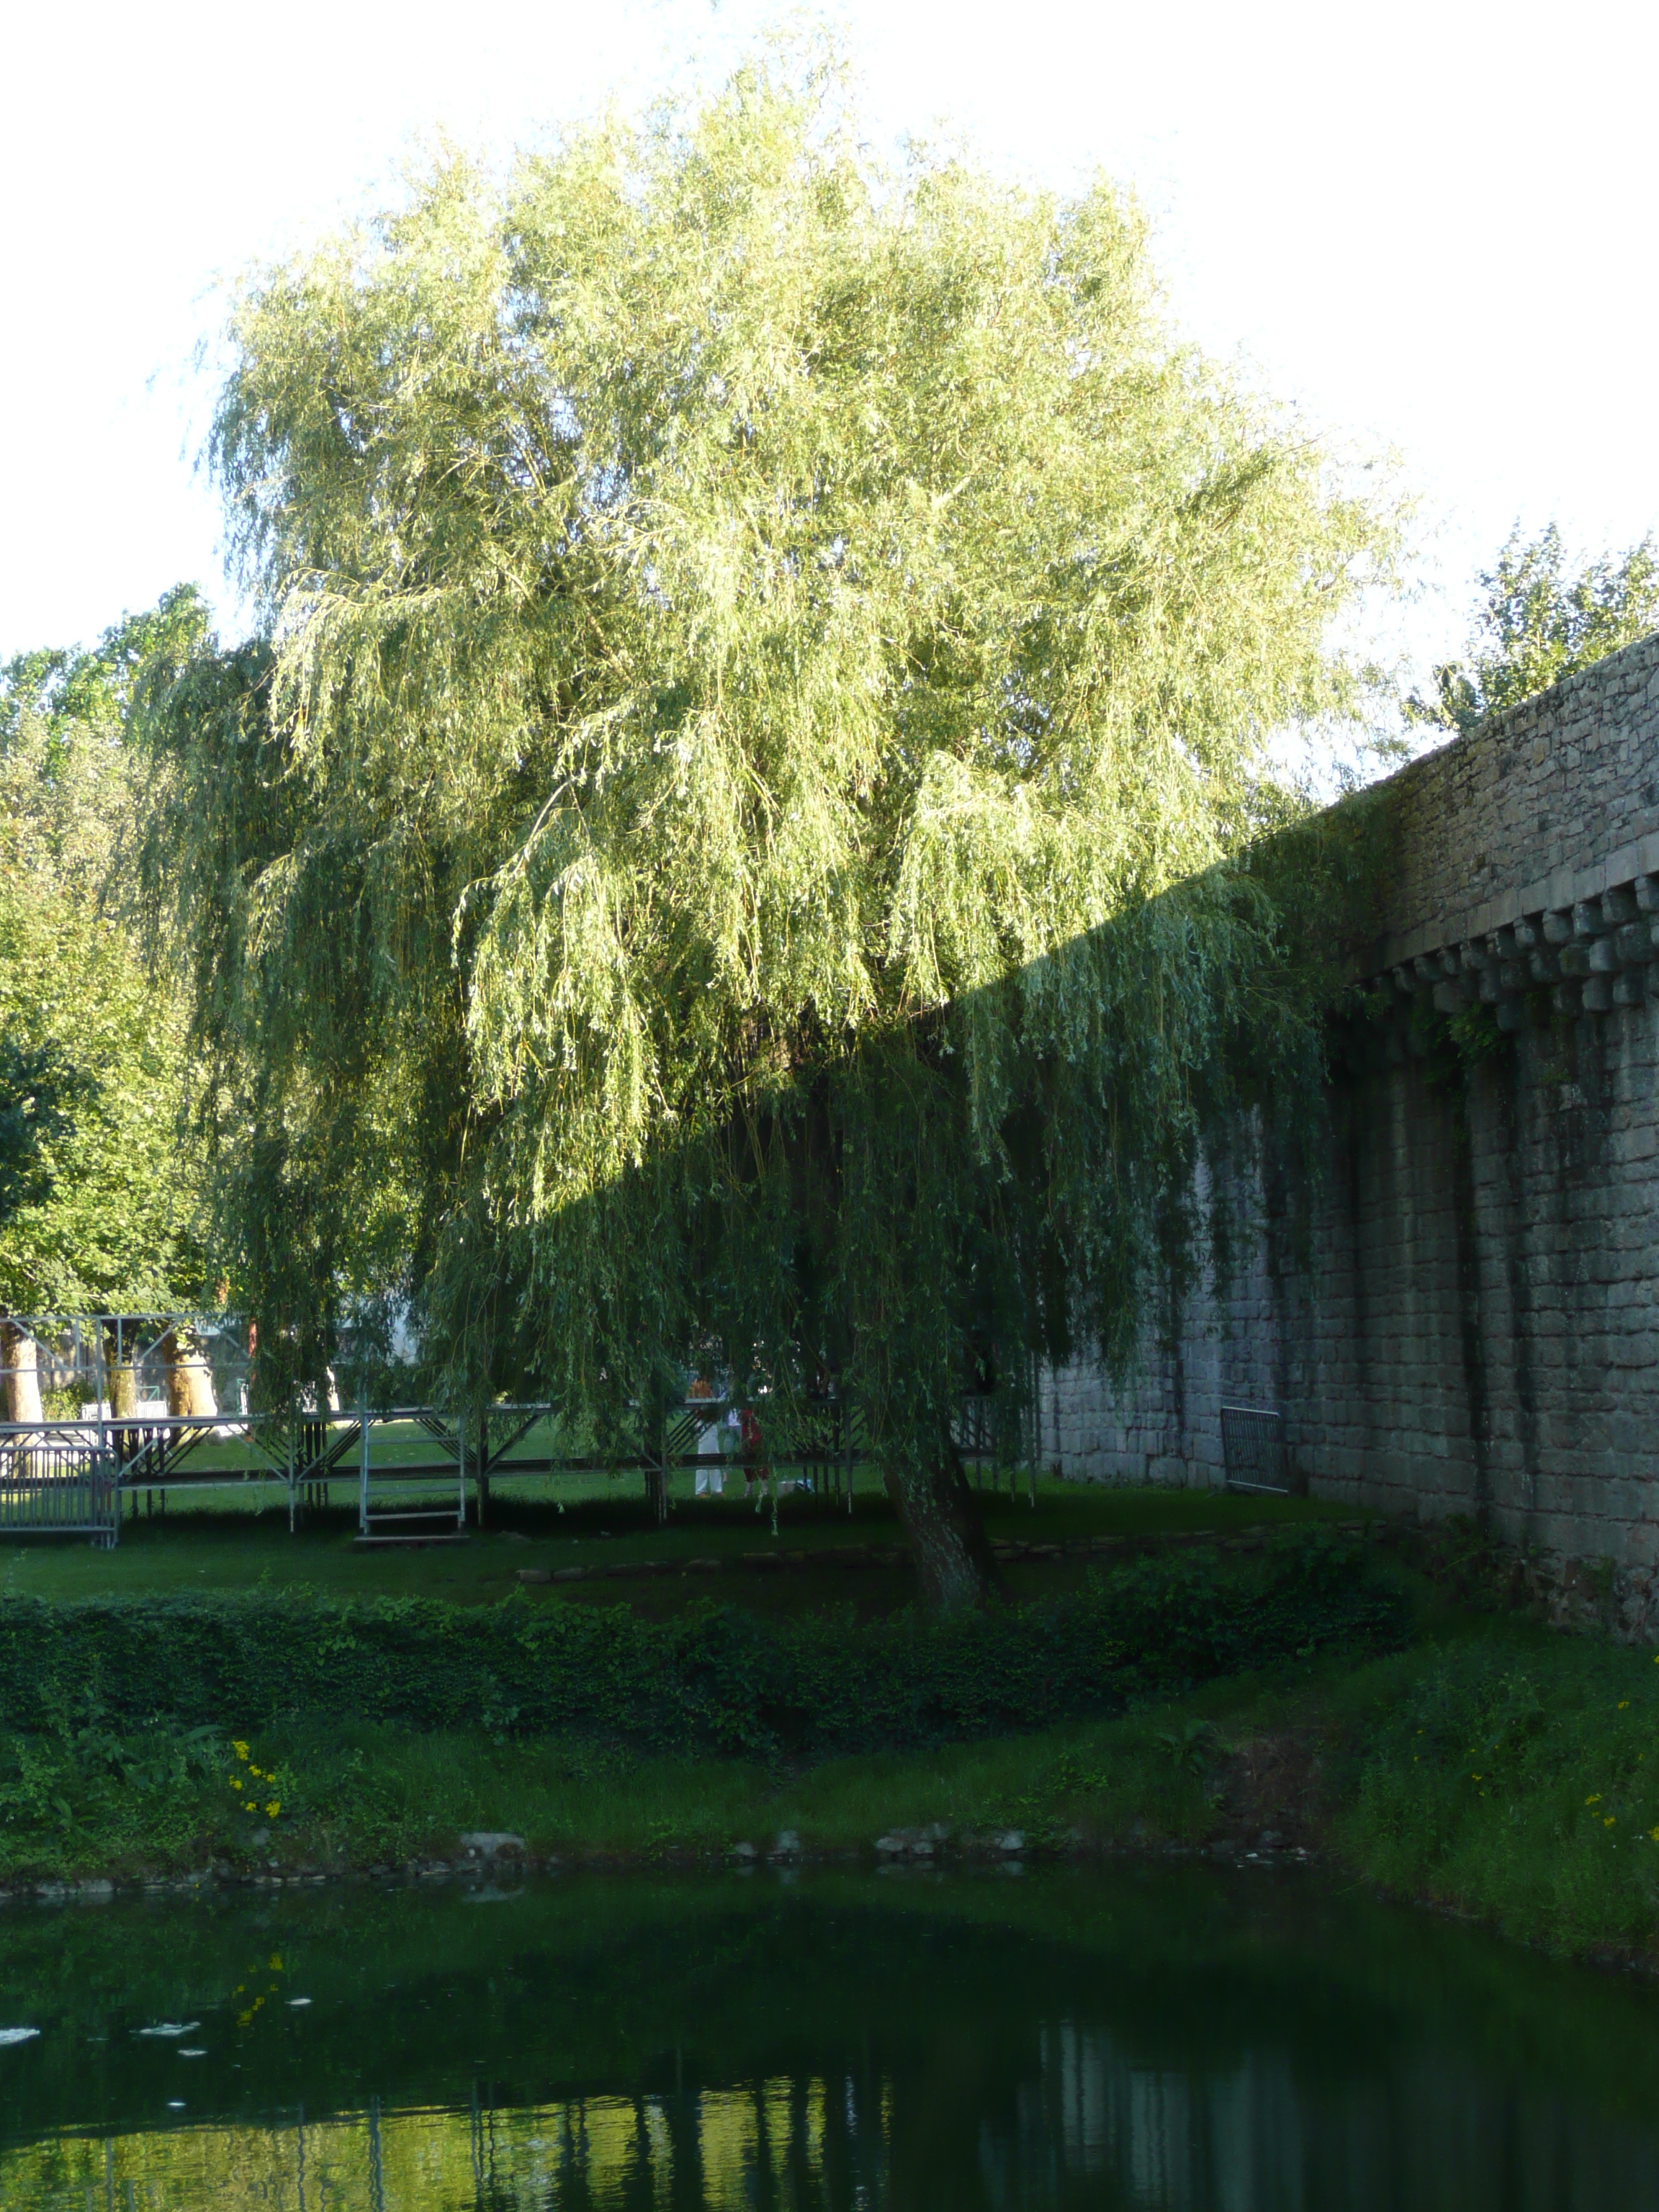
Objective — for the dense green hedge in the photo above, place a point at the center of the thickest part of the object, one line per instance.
(720, 1677)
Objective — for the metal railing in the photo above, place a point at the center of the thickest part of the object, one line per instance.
(57, 1482)
(431, 1503)
(412, 1466)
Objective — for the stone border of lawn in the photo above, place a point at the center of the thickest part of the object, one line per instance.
(1007, 1553)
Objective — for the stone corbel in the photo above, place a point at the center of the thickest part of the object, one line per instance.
(1593, 954)
(1618, 906)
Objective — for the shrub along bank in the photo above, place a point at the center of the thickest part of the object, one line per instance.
(718, 1679)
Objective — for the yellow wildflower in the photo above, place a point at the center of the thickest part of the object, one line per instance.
(1596, 1799)
(274, 1807)
(240, 1747)
(1623, 1705)
(1611, 1818)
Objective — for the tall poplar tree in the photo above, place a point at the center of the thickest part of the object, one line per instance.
(725, 845)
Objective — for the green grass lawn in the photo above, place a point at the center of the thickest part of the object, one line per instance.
(212, 1542)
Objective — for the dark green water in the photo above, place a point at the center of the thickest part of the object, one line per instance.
(1176, 2040)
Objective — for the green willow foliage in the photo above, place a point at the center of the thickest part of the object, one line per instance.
(726, 845)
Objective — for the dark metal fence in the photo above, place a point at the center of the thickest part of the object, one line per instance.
(56, 1482)
(113, 1390)
(1252, 1450)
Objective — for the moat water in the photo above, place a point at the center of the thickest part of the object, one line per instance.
(1169, 2039)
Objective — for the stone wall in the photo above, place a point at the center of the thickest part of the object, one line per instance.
(1537, 809)
(1467, 1321)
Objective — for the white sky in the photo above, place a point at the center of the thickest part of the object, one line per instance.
(1430, 224)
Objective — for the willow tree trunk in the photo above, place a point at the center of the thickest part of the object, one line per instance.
(955, 1566)
(22, 1378)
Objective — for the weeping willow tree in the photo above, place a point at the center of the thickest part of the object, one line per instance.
(727, 845)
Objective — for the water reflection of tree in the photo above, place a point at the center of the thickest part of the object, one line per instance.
(1086, 2121)
(785, 2142)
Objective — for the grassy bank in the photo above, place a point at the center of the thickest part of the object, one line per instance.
(1491, 1766)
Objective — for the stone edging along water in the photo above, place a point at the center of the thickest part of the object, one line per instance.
(491, 1857)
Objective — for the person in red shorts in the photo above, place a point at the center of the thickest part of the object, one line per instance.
(757, 1472)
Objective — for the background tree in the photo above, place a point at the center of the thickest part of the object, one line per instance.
(1540, 623)
(725, 836)
(101, 1207)
(37, 1091)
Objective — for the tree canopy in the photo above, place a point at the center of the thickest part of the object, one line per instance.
(100, 1209)
(727, 843)
(1539, 622)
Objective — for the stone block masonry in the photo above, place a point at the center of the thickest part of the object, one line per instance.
(1463, 1317)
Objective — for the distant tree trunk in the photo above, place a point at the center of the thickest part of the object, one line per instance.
(122, 1377)
(954, 1564)
(18, 1357)
(190, 1379)
(122, 1373)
